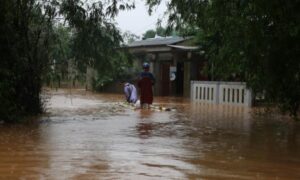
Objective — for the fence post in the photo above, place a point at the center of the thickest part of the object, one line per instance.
(217, 92)
(248, 101)
(192, 90)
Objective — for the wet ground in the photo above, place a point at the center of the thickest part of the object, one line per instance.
(93, 136)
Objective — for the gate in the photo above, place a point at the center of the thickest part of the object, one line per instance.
(220, 92)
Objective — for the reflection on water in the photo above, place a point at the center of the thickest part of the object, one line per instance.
(92, 136)
(145, 129)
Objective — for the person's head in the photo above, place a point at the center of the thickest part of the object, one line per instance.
(146, 66)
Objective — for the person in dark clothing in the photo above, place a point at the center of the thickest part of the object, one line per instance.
(145, 83)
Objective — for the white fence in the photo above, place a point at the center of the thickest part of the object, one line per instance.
(219, 92)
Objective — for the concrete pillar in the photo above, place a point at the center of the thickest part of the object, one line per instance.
(173, 83)
(187, 79)
(155, 69)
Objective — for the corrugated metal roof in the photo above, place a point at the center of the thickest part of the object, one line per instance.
(157, 41)
(185, 48)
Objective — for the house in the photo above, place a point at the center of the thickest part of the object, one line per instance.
(172, 61)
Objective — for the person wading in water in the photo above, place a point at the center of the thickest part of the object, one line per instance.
(145, 83)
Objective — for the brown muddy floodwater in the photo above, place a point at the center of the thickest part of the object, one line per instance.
(92, 136)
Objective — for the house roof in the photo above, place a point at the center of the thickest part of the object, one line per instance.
(157, 41)
(185, 48)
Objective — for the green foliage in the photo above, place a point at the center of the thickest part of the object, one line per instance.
(119, 67)
(96, 41)
(24, 35)
(256, 41)
(30, 46)
(60, 54)
(160, 31)
(149, 34)
(129, 37)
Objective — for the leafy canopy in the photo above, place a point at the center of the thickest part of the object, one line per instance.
(30, 39)
(254, 40)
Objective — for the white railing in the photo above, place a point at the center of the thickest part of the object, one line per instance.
(206, 91)
(219, 92)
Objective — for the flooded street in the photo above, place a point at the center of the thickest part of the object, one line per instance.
(94, 136)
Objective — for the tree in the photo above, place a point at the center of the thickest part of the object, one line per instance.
(25, 31)
(27, 46)
(256, 40)
(149, 34)
(129, 37)
(163, 32)
(60, 54)
(96, 39)
(160, 31)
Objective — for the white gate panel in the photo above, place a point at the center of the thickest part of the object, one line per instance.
(219, 92)
(204, 92)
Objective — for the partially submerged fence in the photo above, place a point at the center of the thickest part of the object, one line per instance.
(219, 92)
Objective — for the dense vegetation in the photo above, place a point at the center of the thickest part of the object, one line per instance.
(32, 44)
(25, 31)
(256, 41)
